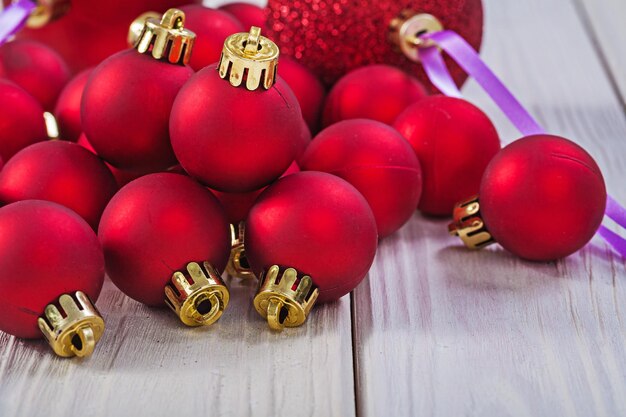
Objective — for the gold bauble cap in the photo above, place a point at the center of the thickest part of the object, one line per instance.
(405, 31)
(238, 266)
(73, 330)
(137, 25)
(166, 39)
(46, 11)
(249, 57)
(468, 224)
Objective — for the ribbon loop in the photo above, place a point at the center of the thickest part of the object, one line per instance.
(14, 17)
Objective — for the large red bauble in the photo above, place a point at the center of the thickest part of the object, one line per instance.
(121, 11)
(378, 92)
(318, 224)
(67, 109)
(377, 161)
(154, 226)
(36, 68)
(233, 139)
(454, 141)
(46, 250)
(21, 120)
(126, 108)
(542, 197)
(62, 172)
(332, 37)
(308, 89)
(248, 14)
(211, 28)
(121, 176)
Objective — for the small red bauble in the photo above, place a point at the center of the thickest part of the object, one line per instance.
(121, 11)
(542, 197)
(211, 27)
(62, 172)
(67, 109)
(318, 224)
(377, 161)
(308, 89)
(21, 120)
(46, 250)
(36, 68)
(378, 92)
(454, 141)
(248, 14)
(155, 226)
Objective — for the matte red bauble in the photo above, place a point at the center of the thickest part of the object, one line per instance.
(454, 141)
(377, 161)
(248, 14)
(121, 11)
(308, 89)
(542, 198)
(156, 232)
(237, 137)
(309, 232)
(333, 37)
(378, 92)
(67, 109)
(51, 264)
(121, 176)
(62, 172)
(128, 99)
(21, 120)
(36, 68)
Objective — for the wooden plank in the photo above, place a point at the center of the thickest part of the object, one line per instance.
(147, 363)
(441, 331)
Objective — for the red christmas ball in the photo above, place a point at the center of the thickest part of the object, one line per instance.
(47, 250)
(318, 224)
(126, 108)
(377, 161)
(248, 14)
(21, 120)
(36, 68)
(378, 92)
(233, 139)
(454, 141)
(62, 172)
(120, 11)
(211, 28)
(542, 197)
(308, 89)
(154, 226)
(333, 37)
(67, 109)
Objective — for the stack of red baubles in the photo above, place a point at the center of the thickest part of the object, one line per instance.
(159, 158)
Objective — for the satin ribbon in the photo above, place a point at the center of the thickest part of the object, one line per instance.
(468, 59)
(14, 17)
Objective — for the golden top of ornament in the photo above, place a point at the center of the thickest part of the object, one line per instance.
(166, 39)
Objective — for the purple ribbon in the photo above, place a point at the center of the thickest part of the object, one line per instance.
(463, 53)
(13, 18)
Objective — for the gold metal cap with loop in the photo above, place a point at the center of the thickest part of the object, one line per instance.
(166, 39)
(137, 25)
(406, 29)
(46, 11)
(199, 297)
(468, 224)
(250, 58)
(73, 330)
(283, 299)
(238, 266)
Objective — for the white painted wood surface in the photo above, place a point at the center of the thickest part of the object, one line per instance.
(437, 330)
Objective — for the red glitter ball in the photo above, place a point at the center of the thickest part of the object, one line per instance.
(331, 37)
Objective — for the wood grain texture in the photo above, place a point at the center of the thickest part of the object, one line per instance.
(443, 331)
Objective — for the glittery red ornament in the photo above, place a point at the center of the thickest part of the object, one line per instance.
(377, 161)
(308, 90)
(318, 224)
(211, 27)
(454, 141)
(332, 37)
(47, 250)
(542, 197)
(155, 226)
(36, 68)
(21, 120)
(248, 14)
(126, 108)
(67, 109)
(378, 92)
(62, 172)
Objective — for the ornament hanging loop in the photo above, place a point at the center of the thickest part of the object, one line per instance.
(83, 342)
(406, 31)
(173, 19)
